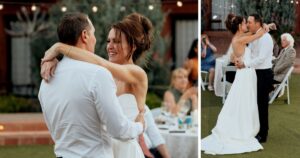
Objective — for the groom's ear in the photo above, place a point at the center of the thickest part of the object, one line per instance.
(84, 36)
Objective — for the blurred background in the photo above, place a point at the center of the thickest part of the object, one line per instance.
(28, 28)
(284, 13)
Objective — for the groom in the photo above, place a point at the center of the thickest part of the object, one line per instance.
(261, 60)
(80, 105)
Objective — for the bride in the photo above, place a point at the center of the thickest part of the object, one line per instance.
(126, 42)
(238, 121)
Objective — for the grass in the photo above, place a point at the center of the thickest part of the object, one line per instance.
(29, 151)
(284, 133)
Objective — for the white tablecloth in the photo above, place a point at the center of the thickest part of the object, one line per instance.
(218, 84)
(181, 145)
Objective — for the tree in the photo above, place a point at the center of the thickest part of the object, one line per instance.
(108, 12)
(281, 12)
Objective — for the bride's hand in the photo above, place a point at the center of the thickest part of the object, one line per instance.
(261, 32)
(140, 118)
(48, 69)
(272, 26)
(266, 27)
(51, 53)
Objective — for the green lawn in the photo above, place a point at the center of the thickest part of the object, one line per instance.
(284, 132)
(30, 151)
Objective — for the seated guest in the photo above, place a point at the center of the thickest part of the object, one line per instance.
(285, 59)
(191, 64)
(178, 98)
(208, 59)
(153, 139)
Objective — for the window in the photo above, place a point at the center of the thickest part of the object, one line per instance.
(220, 10)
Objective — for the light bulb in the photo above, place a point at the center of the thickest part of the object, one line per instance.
(123, 8)
(151, 7)
(63, 8)
(33, 8)
(95, 9)
(179, 4)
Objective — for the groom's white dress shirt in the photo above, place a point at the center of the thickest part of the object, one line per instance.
(81, 110)
(261, 53)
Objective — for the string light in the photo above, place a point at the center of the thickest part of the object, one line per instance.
(123, 8)
(297, 2)
(63, 8)
(292, 1)
(151, 7)
(33, 7)
(1, 126)
(277, 1)
(179, 4)
(95, 9)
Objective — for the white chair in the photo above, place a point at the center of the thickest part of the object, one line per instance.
(279, 87)
(225, 83)
(205, 82)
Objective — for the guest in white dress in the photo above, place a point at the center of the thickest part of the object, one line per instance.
(126, 42)
(238, 121)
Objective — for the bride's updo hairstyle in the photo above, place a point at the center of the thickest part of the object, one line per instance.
(138, 31)
(232, 22)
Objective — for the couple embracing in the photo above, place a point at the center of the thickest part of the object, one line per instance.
(94, 107)
(243, 121)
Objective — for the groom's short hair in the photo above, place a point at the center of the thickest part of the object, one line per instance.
(70, 27)
(257, 18)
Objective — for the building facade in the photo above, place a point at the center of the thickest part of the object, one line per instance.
(181, 25)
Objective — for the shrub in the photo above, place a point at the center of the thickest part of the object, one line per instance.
(12, 104)
(153, 101)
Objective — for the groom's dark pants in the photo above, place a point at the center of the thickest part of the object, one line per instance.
(264, 86)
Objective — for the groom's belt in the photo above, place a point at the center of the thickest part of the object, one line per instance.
(269, 69)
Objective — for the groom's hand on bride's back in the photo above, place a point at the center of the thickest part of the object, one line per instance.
(239, 63)
(140, 118)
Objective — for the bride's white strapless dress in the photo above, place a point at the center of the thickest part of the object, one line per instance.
(238, 121)
(128, 148)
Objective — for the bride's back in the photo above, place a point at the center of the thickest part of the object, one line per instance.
(238, 47)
